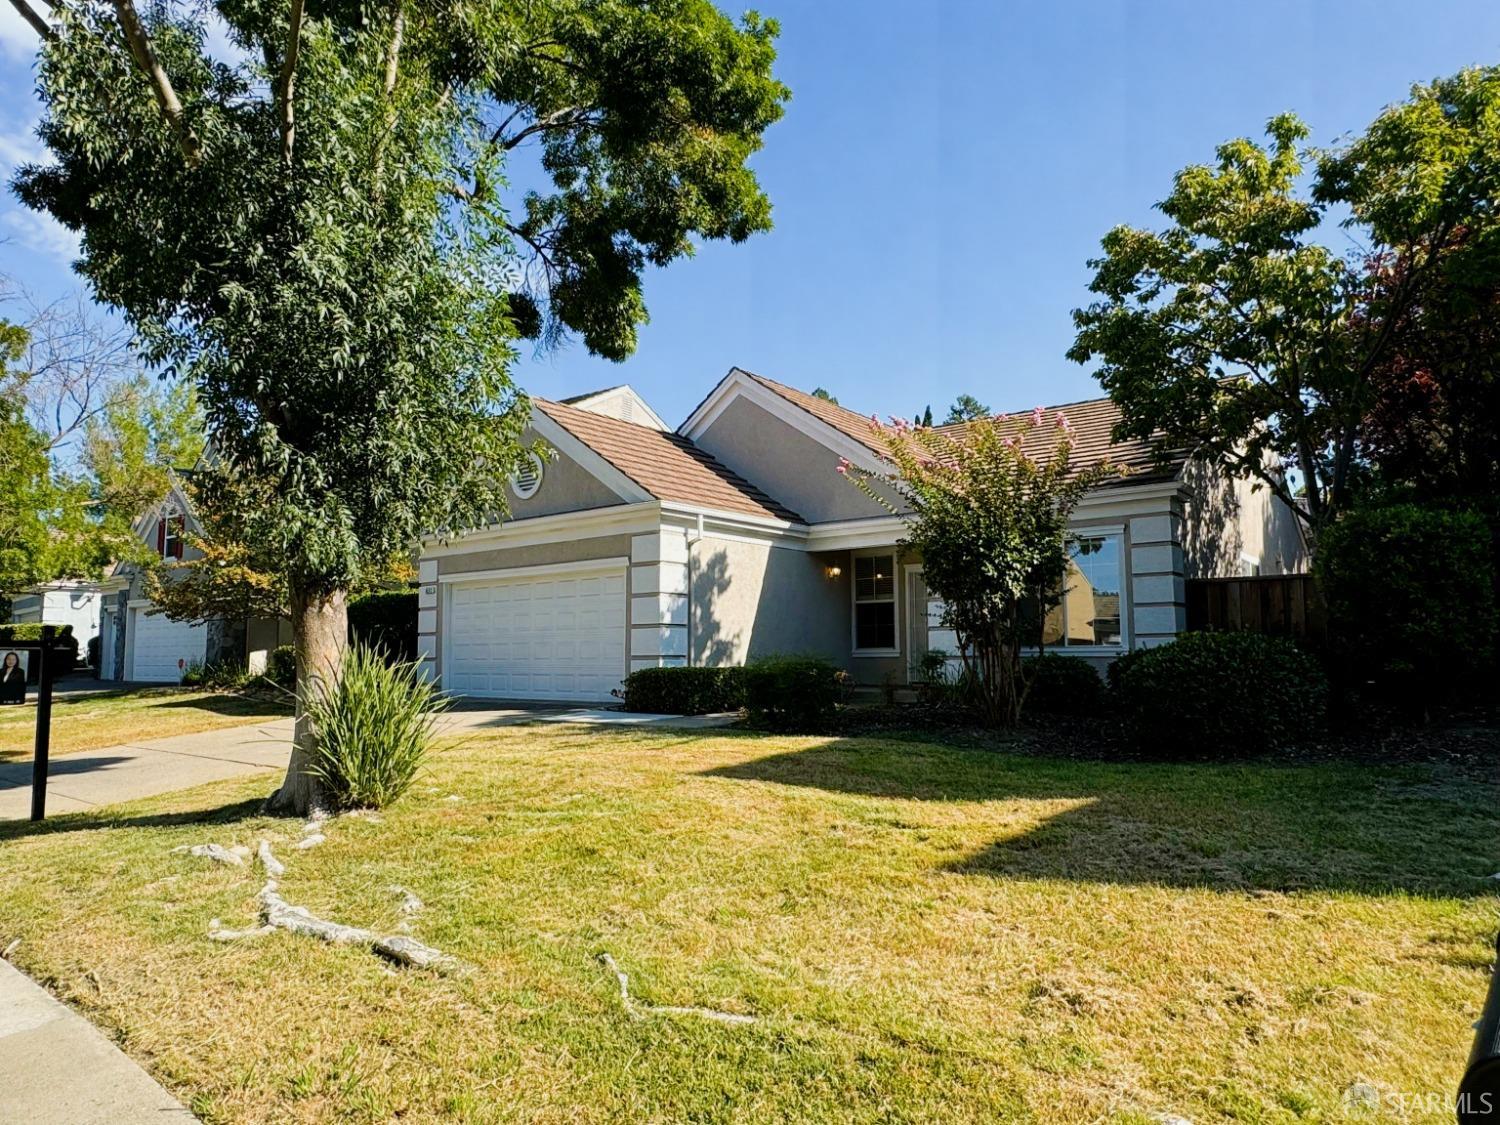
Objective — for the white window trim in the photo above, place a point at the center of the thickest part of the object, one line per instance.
(896, 591)
(1126, 638)
(168, 535)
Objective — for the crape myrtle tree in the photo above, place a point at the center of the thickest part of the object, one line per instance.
(315, 230)
(987, 509)
(1235, 332)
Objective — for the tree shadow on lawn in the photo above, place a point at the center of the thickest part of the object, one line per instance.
(1247, 826)
(252, 808)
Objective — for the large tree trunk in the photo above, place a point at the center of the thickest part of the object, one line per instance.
(320, 632)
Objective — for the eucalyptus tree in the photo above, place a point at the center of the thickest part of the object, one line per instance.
(316, 228)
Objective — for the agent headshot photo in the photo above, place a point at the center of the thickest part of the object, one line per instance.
(12, 679)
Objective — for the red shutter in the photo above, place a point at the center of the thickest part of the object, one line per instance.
(179, 525)
(161, 537)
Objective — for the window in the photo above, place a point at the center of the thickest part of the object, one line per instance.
(1088, 615)
(875, 603)
(169, 531)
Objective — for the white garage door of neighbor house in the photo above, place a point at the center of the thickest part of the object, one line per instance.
(537, 637)
(157, 644)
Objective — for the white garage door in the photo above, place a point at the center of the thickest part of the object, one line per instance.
(157, 644)
(538, 637)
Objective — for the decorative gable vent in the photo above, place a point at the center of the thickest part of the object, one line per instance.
(527, 478)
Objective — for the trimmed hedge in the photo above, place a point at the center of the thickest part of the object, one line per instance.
(792, 693)
(1411, 603)
(1217, 695)
(95, 653)
(65, 650)
(1063, 685)
(386, 621)
(685, 691)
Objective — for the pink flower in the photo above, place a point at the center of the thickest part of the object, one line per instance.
(1002, 418)
(1063, 424)
(843, 470)
(1039, 415)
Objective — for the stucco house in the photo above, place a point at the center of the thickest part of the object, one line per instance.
(734, 537)
(140, 646)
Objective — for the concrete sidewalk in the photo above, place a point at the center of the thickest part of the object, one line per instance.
(56, 1068)
(78, 782)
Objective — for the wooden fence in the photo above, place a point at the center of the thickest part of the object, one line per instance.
(1288, 604)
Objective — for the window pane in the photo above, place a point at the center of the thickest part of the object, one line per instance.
(1092, 602)
(874, 577)
(875, 625)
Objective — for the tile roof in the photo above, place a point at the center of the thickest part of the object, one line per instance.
(1093, 422)
(667, 465)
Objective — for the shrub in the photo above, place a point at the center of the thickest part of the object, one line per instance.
(281, 666)
(386, 620)
(1063, 685)
(685, 691)
(1411, 601)
(95, 653)
(374, 729)
(223, 676)
(792, 692)
(64, 652)
(1220, 695)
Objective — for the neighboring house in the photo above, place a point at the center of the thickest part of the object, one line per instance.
(735, 537)
(145, 647)
(61, 603)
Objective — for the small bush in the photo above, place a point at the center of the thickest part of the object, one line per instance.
(386, 620)
(685, 691)
(224, 676)
(95, 653)
(281, 666)
(1220, 695)
(1411, 602)
(1063, 685)
(373, 729)
(789, 693)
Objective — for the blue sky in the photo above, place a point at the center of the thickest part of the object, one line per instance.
(942, 174)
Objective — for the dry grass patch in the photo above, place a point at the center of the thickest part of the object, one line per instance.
(92, 722)
(923, 934)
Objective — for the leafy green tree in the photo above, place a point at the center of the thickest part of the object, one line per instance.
(129, 450)
(1236, 333)
(47, 529)
(315, 233)
(990, 522)
(965, 408)
(822, 393)
(925, 418)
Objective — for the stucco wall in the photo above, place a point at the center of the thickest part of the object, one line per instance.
(752, 599)
(566, 487)
(1227, 521)
(786, 463)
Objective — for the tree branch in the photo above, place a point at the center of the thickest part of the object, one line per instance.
(161, 85)
(564, 118)
(31, 16)
(286, 85)
(393, 53)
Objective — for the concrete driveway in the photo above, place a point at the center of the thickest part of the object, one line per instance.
(87, 780)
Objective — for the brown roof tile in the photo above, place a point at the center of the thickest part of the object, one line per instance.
(1093, 422)
(667, 465)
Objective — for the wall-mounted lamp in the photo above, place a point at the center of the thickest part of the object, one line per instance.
(833, 571)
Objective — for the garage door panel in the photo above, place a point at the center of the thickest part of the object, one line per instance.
(157, 644)
(545, 637)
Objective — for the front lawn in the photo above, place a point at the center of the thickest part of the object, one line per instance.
(922, 933)
(94, 721)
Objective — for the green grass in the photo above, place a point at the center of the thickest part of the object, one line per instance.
(925, 934)
(92, 722)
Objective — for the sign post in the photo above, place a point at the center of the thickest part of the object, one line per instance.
(43, 725)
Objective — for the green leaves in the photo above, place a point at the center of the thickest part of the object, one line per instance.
(348, 317)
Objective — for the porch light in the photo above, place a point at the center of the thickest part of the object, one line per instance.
(833, 571)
